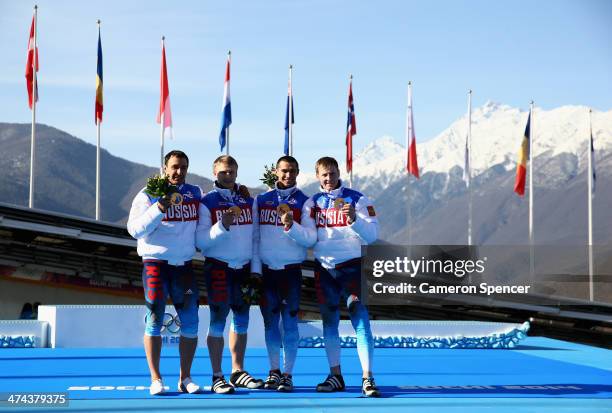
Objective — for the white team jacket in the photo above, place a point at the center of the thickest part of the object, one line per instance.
(233, 246)
(274, 247)
(169, 236)
(334, 240)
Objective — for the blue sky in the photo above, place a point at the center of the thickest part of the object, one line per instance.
(555, 52)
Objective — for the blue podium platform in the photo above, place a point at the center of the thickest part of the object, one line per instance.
(539, 375)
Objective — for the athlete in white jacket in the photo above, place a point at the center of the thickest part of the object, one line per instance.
(338, 221)
(166, 243)
(225, 236)
(279, 209)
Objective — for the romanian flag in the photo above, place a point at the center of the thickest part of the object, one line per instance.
(32, 64)
(99, 84)
(164, 99)
(523, 158)
(351, 130)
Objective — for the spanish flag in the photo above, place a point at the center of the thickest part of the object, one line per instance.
(523, 158)
(99, 84)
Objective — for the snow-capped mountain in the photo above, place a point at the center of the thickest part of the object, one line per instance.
(560, 141)
(497, 131)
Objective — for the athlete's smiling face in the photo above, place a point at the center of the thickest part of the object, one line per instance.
(328, 177)
(287, 173)
(176, 170)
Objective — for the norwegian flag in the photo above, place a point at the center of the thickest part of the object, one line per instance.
(32, 64)
(351, 130)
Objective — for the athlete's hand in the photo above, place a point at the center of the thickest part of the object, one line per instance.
(244, 191)
(349, 210)
(164, 203)
(287, 219)
(227, 219)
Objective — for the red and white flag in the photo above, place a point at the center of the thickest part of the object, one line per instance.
(412, 165)
(32, 64)
(164, 101)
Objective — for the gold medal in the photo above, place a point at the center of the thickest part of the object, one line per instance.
(235, 210)
(339, 203)
(176, 198)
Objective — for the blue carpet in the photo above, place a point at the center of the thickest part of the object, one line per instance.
(540, 375)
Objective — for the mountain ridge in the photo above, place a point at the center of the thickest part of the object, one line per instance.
(440, 195)
(438, 200)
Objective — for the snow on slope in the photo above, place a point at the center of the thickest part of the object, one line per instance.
(497, 131)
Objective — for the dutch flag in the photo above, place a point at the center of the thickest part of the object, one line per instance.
(226, 115)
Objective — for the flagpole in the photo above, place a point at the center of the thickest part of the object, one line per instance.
(408, 137)
(590, 181)
(469, 164)
(34, 98)
(290, 118)
(531, 159)
(227, 130)
(161, 123)
(98, 173)
(351, 171)
(98, 156)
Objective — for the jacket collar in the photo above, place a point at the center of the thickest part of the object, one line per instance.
(224, 192)
(334, 193)
(285, 192)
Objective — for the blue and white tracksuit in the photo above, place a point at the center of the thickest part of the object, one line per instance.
(166, 243)
(228, 254)
(337, 249)
(281, 258)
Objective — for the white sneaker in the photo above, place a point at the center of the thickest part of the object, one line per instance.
(187, 386)
(157, 387)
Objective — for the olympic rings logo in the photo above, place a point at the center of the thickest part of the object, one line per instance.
(170, 323)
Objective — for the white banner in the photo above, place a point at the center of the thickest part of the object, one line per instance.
(123, 325)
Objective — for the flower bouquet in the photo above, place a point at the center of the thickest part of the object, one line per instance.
(159, 186)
